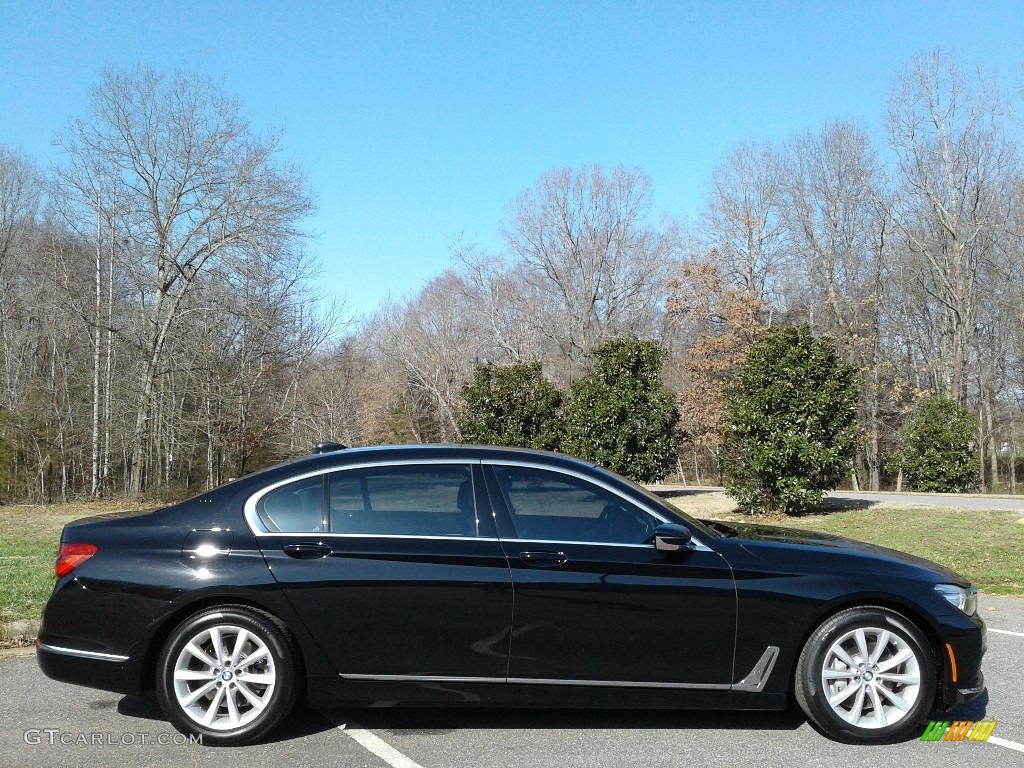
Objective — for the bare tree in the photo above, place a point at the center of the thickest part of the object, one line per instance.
(954, 163)
(741, 222)
(190, 183)
(597, 263)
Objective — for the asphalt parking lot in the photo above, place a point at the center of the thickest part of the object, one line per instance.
(45, 723)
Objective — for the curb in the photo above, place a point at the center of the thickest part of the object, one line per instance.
(19, 631)
(14, 653)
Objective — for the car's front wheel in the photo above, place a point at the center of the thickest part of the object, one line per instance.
(866, 675)
(228, 674)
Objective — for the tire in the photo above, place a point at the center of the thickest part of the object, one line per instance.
(866, 676)
(229, 674)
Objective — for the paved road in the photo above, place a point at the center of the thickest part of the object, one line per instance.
(130, 729)
(963, 501)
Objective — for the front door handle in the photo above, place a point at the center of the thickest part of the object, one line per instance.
(307, 550)
(543, 559)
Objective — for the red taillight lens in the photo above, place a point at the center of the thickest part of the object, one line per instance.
(71, 556)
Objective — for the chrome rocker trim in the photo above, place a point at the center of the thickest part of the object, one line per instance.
(754, 682)
(82, 654)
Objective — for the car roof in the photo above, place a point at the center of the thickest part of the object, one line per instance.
(430, 451)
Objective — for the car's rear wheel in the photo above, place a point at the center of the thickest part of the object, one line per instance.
(228, 674)
(866, 676)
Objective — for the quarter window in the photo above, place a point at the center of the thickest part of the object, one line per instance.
(296, 507)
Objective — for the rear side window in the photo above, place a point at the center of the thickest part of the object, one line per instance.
(297, 507)
(410, 501)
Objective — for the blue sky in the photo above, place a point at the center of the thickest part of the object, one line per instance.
(419, 122)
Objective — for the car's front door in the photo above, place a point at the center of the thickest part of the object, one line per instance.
(393, 570)
(595, 602)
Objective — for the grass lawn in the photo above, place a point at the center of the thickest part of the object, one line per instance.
(29, 539)
(986, 547)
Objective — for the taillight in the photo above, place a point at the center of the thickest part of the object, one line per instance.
(71, 556)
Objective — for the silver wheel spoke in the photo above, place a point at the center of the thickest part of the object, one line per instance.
(897, 701)
(853, 716)
(876, 705)
(253, 699)
(844, 657)
(843, 695)
(218, 646)
(240, 639)
(198, 653)
(898, 679)
(232, 708)
(862, 646)
(880, 646)
(195, 674)
(253, 657)
(211, 712)
(197, 694)
(839, 674)
(258, 679)
(896, 660)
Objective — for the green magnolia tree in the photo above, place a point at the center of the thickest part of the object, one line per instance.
(620, 416)
(791, 422)
(936, 451)
(510, 405)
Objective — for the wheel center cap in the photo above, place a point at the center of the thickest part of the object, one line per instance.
(226, 676)
(868, 676)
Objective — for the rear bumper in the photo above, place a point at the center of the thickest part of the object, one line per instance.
(105, 671)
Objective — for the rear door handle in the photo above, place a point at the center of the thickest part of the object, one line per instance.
(543, 559)
(307, 550)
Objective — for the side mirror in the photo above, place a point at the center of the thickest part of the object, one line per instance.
(671, 537)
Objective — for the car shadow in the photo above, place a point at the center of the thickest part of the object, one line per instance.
(398, 721)
(300, 722)
(430, 720)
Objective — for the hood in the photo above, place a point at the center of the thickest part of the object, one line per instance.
(799, 537)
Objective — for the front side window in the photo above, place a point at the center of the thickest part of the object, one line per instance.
(551, 506)
(413, 501)
(294, 508)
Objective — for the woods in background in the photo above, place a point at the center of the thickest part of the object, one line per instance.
(160, 327)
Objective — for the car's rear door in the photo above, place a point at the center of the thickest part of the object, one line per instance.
(395, 569)
(595, 602)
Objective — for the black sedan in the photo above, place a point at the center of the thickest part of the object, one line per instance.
(461, 575)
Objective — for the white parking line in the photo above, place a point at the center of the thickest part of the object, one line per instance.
(1006, 743)
(1006, 632)
(373, 743)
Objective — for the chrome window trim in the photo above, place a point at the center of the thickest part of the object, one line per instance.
(696, 544)
(258, 529)
(83, 654)
(252, 519)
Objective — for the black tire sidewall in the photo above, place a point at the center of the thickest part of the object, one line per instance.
(281, 649)
(813, 699)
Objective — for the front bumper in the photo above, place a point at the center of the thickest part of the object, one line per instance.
(963, 648)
